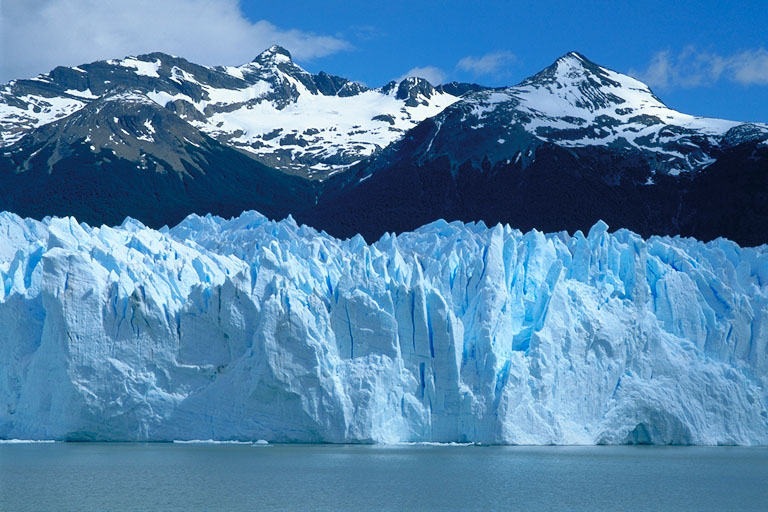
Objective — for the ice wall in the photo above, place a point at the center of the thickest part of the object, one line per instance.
(250, 329)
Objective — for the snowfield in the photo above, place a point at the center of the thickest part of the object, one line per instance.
(248, 329)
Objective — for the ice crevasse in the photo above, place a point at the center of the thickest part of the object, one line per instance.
(248, 329)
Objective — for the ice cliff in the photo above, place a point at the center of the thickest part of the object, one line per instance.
(251, 329)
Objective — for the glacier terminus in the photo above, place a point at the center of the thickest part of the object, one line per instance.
(248, 329)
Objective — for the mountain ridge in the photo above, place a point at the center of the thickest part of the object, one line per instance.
(572, 144)
(227, 102)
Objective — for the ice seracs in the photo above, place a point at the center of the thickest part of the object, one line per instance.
(248, 329)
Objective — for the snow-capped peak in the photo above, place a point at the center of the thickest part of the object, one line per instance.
(573, 81)
(575, 63)
(275, 65)
(576, 103)
(275, 58)
(274, 53)
(319, 124)
(286, 117)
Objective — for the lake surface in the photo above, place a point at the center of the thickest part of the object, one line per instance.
(185, 477)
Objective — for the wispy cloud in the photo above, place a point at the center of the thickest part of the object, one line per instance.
(366, 32)
(494, 63)
(488, 64)
(694, 68)
(432, 74)
(750, 67)
(38, 35)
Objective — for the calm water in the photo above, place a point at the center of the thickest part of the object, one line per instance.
(169, 477)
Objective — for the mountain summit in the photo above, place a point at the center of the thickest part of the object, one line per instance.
(581, 84)
(274, 53)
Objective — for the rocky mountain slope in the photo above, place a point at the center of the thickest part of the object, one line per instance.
(575, 103)
(571, 145)
(156, 137)
(275, 111)
(123, 153)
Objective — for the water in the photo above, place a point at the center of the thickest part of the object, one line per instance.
(171, 477)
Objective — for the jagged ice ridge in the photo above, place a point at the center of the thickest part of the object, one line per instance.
(248, 329)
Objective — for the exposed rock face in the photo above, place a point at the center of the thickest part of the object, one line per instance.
(123, 154)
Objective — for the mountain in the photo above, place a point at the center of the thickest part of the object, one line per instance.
(575, 103)
(569, 146)
(124, 154)
(249, 329)
(156, 137)
(275, 111)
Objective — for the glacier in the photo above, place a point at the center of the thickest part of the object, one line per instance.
(247, 329)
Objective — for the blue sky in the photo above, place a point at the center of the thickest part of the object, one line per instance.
(705, 58)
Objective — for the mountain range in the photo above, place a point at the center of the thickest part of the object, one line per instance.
(156, 137)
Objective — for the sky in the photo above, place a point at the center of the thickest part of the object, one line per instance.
(705, 58)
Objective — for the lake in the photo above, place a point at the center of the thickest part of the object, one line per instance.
(184, 477)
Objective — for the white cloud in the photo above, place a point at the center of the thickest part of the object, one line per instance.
(750, 67)
(38, 35)
(431, 74)
(488, 64)
(694, 68)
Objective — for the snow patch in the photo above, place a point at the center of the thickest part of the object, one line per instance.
(142, 67)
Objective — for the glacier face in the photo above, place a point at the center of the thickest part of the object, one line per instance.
(251, 329)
